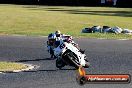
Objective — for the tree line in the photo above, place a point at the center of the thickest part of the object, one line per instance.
(120, 3)
(53, 2)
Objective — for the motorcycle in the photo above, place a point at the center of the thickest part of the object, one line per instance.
(68, 54)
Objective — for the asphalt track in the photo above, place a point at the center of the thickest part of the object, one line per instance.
(105, 56)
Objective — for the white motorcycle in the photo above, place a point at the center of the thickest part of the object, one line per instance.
(68, 54)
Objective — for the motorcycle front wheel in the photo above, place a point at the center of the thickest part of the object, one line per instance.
(73, 60)
(59, 63)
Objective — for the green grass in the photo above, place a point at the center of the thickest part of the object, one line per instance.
(10, 66)
(41, 20)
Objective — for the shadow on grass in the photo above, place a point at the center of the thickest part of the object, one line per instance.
(105, 13)
(86, 12)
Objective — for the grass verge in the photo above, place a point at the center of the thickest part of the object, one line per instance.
(34, 20)
(10, 66)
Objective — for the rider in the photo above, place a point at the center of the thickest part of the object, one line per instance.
(57, 36)
(50, 43)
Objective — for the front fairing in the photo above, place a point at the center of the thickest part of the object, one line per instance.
(59, 51)
(81, 57)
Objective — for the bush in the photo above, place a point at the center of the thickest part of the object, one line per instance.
(124, 3)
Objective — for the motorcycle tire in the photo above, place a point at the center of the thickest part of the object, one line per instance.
(59, 63)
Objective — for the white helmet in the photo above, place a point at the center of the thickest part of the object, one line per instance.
(57, 32)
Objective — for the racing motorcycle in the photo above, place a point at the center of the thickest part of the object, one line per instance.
(68, 54)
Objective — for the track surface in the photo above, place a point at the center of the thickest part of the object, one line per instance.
(105, 56)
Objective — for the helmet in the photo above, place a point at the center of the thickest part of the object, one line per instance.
(52, 36)
(51, 39)
(58, 33)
